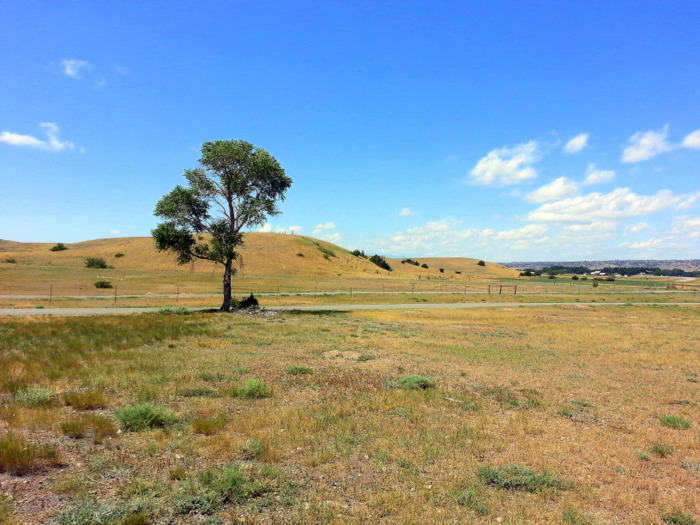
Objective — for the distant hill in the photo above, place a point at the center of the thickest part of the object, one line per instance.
(688, 265)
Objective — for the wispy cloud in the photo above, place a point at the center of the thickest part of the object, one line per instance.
(645, 145)
(692, 140)
(619, 204)
(577, 143)
(74, 68)
(323, 231)
(558, 189)
(507, 166)
(50, 143)
(406, 212)
(597, 176)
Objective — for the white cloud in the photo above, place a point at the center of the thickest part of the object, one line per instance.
(619, 204)
(560, 188)
(406, 212)
(295, 229)
(115, 232)
(644, 145)
(692, 140)
(655, 243)
(686, 226)
(334, 237)
(639, 227)
(577, 143)
(73, 67)
(596, 176)
(265, 228)
(506, 166)
(321, 228)
(51, 143)
(592, 227)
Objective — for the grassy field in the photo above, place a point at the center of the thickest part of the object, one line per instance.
(569, 415)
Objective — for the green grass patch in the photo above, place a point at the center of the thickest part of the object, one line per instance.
(253, 389)
(19, 456)
(662, 450)
(415, 382)
(676, 422)
(515, 477)
(141, 417)
(298, 370)
(679, 518)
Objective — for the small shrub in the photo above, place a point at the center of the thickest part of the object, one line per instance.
(140, 417)
(253, 389)
(572, 516)
(178, 474)
(441, 270)
(643, 455)
(481, 263)
(254, 448)
(87, 512)
(661, 449)
(36, 397)
(298, 370)
(424, 266)
(173, 310)
(359, 253)
(300, 254)
(208, 426)
(410, 261)
(249, 302)
(680, 518)
(102, 284)
(381, 262)
(11, 260)
(19, 456)
(574, 277)
(675, 422)
(59, 247)
(117, 255)
(515, 477)
(415, 382)
(87, 400)
(95, 262)
(101, 426)
(74, 428)
(470, 498)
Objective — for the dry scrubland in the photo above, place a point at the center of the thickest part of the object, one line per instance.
(578, 415)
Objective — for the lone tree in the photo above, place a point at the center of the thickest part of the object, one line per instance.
(236, 186)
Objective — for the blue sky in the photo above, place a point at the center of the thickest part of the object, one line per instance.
(498, 130)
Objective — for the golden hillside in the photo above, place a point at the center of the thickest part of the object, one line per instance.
(270, 260)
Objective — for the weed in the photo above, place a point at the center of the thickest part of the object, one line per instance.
(95, 262)
(675, 422)
(86, 400)
(10, 260)
(102, 284)
(141, 417)
(178, 474)
(470, 498)
(19, 457)
(36, 397)
(74, 428)
(679, 518)
(197, 392)
(253, 389)
(208, 426)
(254, 449)
(365, 357)
(661, 449)
(173, 310)
(643, 455)
(87, 512)
(515, 477)
(692, 466)
(572, 516)
(298, 370)
(415, 382)
(6, 510)
(119, 255)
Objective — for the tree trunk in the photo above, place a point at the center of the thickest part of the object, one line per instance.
(228, 267)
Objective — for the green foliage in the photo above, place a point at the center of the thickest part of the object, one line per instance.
(469, 497)
(253, 389)
(59, 247)
(254, 449)
(381, 262)
(19, 456)
(102, 284)
(197, 392)
(515, 477)
(574, 277)
(10, 260)
(298, 370)
(441, 270)
(410, 261)
(572, 516)
(36, 397)
(675, 422)
(119, 255)
(216, 488)
(140, 417)
(415, 382)
(661, 449)
(236, 185)
(481, 263)
(424, 266)
(327, 253)
(173, 310)
(679, 518)
(95, 262)
(359, 253)
(87, 512)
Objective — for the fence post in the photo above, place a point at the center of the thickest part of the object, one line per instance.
(50, 293)
(115, 294)
(500, 289)
(515, 290)
(489, 289)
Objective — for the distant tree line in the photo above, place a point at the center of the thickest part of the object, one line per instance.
(635, 270)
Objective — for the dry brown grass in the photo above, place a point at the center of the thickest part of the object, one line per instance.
(577, 392)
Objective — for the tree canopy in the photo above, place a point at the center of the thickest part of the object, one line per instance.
(237, 185)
